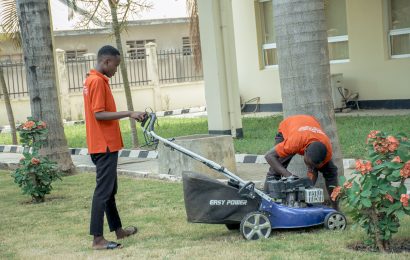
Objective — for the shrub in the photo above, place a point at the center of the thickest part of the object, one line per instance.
(35, 173)
(376, 195)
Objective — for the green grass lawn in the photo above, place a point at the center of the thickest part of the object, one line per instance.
(258, 132)
(58, 228)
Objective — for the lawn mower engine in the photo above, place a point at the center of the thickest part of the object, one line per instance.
(294, 192)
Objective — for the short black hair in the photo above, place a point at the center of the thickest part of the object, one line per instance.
(108, 50)
(316, 152)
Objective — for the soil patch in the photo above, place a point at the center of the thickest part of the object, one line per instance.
(396, 246)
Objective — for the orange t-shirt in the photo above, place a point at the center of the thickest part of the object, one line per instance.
(298, 132)
(97, 98)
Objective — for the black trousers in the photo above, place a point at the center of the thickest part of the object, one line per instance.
(104, 193)
(329, 170)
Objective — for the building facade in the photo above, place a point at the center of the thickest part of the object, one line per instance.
(369, 43)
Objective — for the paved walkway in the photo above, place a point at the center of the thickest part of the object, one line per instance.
(148, 167)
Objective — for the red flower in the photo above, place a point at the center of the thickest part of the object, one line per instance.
(405, 171)
(35, 161)
(335, 193)
(29, 125)
(389, 197)
(363, 166)
(404, 200)
(378, 162)
(396, 159)
(348, 185)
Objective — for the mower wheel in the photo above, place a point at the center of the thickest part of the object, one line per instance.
(255, 225)
(335, 221)
(233, 226)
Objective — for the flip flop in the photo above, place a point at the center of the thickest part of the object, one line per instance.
(109, 245)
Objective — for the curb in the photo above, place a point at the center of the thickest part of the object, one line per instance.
(145, 154)
(6, 129)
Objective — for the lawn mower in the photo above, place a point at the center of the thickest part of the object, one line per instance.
(288, 202)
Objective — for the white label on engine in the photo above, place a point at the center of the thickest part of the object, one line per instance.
(228, 202)
(314, 195)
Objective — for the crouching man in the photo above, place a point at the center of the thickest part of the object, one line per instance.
(303, 135)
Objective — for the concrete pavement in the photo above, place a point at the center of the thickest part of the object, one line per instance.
(148, 168)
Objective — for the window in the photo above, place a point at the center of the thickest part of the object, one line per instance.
(136, 49)
(75, 54)
(186, 46)
(399, 33)
(336, 24)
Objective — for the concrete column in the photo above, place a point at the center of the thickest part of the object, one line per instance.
(63, 87)
(219, 63)
(152, 72)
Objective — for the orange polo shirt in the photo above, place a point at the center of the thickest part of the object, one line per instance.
(97, 98)
(298, 132)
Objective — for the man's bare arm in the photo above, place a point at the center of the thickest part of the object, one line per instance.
(105, 115)
(273, 160)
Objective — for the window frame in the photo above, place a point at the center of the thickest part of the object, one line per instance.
(269, 46)
(395, 32)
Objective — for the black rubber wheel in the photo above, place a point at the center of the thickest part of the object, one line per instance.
(255, 225)
(235, 226)
(335, 221)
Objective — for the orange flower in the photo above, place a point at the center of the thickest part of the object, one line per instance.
(28, 125)
(396, 159)
(335, 193)
(389, 197)
(35, 161)
(42, 125)
(363, 166)
(393, 143)
(404, 200)
(372, 135)
(348, 185)
(405, 171)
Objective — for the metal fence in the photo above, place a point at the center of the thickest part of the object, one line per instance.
(77, 70)
(174, 66)
(177, 66)
(15, 77)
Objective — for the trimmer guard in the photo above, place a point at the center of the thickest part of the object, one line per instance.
(210, 201)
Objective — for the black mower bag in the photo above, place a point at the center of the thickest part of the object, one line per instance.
(210, 201)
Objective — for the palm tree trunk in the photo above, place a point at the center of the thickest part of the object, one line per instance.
(9, 109)
(304, 68)
(37, 43)
(124, 73)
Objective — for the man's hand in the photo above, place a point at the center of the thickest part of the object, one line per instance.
(139, 116)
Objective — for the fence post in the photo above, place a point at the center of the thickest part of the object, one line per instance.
(62, 79)
(152, 71)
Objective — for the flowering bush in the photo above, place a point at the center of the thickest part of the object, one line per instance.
(376, 194)
(35, 173)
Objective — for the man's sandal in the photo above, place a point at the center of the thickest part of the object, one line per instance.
(109, 245)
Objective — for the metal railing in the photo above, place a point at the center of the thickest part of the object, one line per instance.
(177, 66)
(77, 70)
(174, 66)
(15, 77)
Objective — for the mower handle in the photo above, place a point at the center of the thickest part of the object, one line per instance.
(152, 117)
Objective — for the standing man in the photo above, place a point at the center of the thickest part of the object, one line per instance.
(303, 135)
(104, 141)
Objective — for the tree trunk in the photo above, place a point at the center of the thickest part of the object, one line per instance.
(37, 44)
(304, 69)
(9, 109)
(124, 72)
